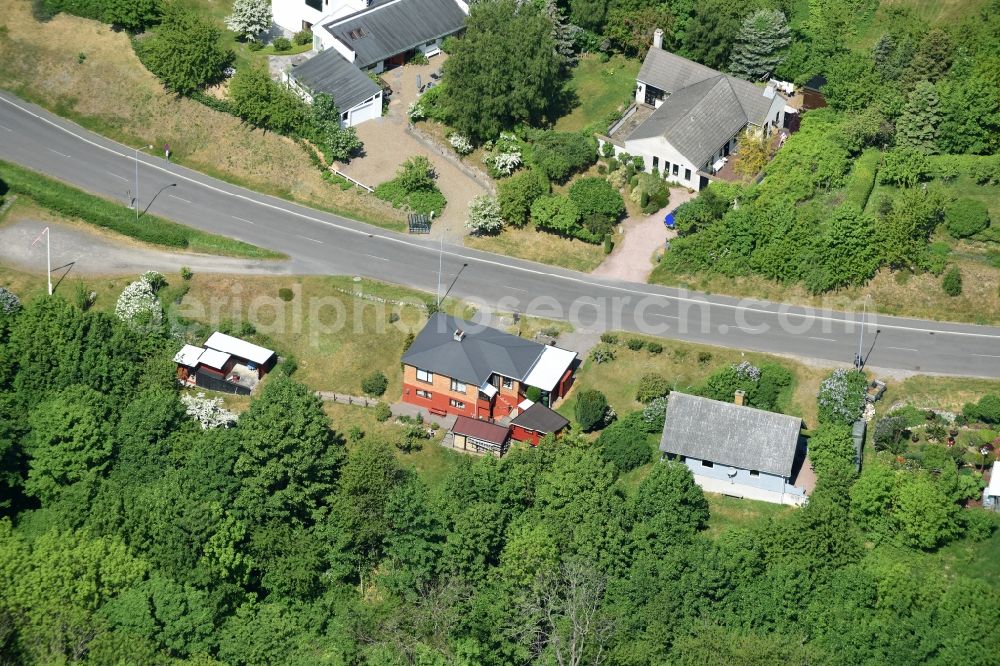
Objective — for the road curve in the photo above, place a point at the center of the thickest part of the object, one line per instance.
(322, 243)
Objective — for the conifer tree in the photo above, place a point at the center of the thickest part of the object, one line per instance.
(918, 125)
(759, 48)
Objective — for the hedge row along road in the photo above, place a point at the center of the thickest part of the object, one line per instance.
(321, 243)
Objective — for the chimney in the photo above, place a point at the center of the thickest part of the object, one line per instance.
(459, 335)
(738, 398)
(658, 39)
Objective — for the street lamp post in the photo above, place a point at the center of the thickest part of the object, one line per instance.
(149, 147)
(861, 341)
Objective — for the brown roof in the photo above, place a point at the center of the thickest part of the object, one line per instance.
(484, 430)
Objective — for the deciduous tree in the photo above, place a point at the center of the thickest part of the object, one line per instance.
(250, 18)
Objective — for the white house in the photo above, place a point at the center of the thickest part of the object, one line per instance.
(733, 449)
(687, 117)
(357, 37)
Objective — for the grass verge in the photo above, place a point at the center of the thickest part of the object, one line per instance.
(71, 202)
(527, 243)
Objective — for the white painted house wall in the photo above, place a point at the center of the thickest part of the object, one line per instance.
(728, 480)
(290, 14)
(665, 153)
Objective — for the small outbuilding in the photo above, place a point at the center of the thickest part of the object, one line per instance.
(224, 363)
(536, 421)
(478, 436)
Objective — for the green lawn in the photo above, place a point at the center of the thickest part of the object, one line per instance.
(602, 88)
(933, 12)
(729, 512)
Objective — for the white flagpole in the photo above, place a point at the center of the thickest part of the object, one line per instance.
(48, 255)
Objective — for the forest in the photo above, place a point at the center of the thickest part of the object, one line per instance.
(136, 529)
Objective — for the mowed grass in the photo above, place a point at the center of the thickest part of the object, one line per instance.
(111, 93)
(601, 88)
(528, 243)
(685, 365)
(57, 196)
(726, 513)
(934, 392)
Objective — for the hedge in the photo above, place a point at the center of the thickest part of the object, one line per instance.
(71, 202)
(862, 179)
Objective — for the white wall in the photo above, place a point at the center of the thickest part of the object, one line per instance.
(660, 148)
(289, 14)
(368, 110)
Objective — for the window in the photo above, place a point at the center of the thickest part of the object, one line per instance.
(456, 403)
(687, 174)
(423, 394)
(707, 463)
(343, 116)
(675, 170)
(754, 472)
(457, 386)
(424, 376)
(666, 167)
(430, 43)
(315, 4)
(656, 162)
(508, 383)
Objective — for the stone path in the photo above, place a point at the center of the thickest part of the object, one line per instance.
(388, 144)
(632, 258)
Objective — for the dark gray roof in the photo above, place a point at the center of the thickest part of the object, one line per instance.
(670, 72)
(705, 108)
(390, 28)
(331, 73)
(482, 352)
(541, 419)
(730, 434)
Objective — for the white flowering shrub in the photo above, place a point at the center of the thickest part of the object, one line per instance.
(9, 302)
(842, 396)
(655, 413)
(484, 215)
(138, 304)
(416, 111)
(504, 156)
(209, 412)
(155, 280)
(747, 370)
(250, 18)
(460, 143)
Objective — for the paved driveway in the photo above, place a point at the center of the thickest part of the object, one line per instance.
(388, 144)
(632, 258)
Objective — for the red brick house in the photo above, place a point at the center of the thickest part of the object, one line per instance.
(459, 367)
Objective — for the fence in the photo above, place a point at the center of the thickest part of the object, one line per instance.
(361, 401)
(352, 180)
(214, 384)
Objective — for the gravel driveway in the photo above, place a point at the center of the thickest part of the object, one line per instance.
(632, 258)
(78, 250)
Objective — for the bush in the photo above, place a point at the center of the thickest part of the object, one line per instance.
(888, 434)
(624, 445)
(504, 155)
(842, 397)
(596, 196)
(905, 167)
(635, 344)
(986, 170)
(303, 37)
(651, 387)
(609, 338)
(184, 52)
(413, 187)
(10, 304)
(418, 58)
(374, 384)
(831, 447)
(534, 394)
(560, 154)
(591, 408)
(382, 412)
(602, 353)
(262, 102)
(654, 415)
(460, 143)
(952, 282)
(517, 193)
(186, 273)
(609, 245)
(986, 410)
(281, 44)
(654, 347)
(130, 15)
(484, 215)
(966, 217)
(250, 18)
(557, 214)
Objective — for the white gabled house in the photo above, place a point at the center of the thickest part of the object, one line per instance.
(687, 117)
(356, 37)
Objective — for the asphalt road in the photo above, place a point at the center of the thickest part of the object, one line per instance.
(322, 243)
